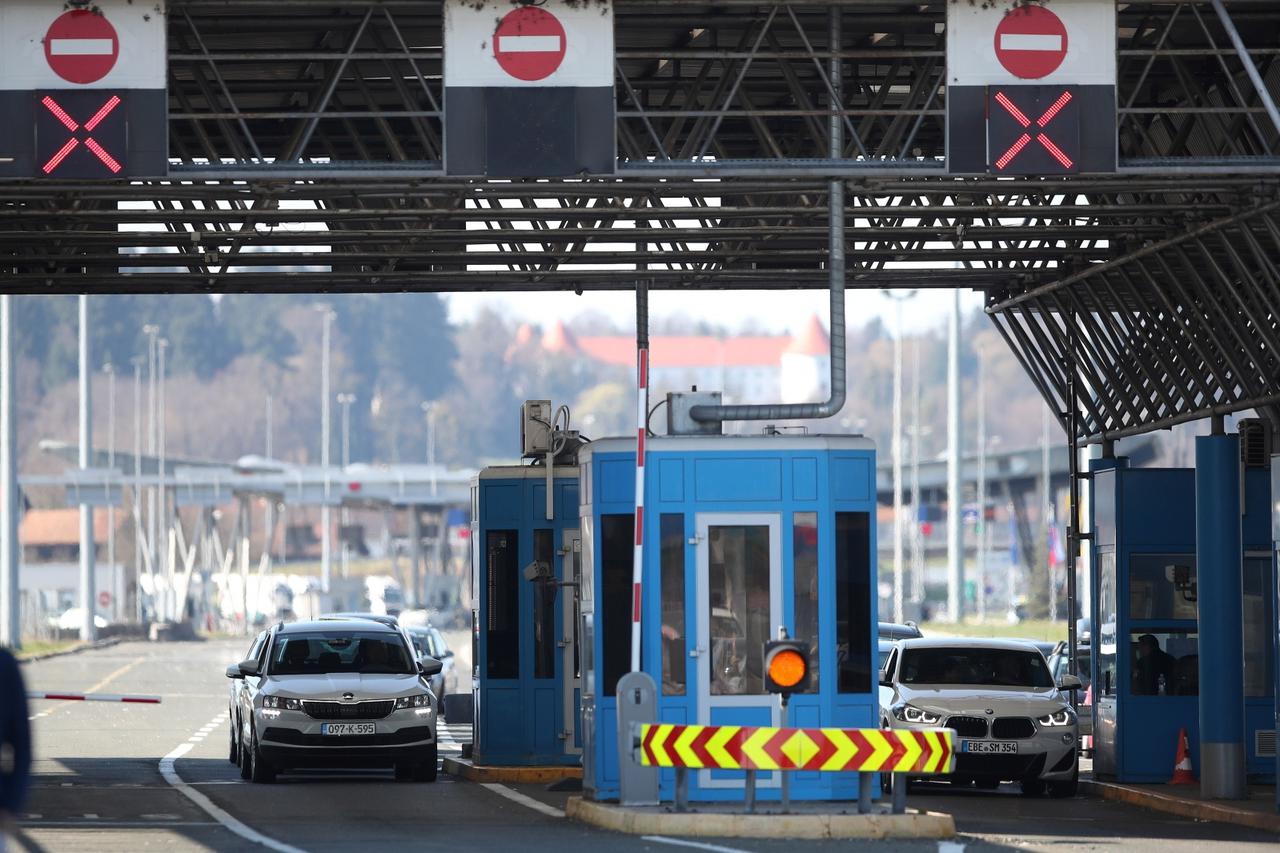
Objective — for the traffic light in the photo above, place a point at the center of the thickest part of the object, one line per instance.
(786, 666)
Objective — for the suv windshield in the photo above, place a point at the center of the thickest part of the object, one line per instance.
(339, 651)
(985, 667)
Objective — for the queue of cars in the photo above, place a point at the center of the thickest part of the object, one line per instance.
(344, 690)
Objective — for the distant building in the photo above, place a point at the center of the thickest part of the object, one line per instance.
(747, 368)
(53, 535)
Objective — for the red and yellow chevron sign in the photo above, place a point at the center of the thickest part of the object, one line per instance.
(926, 751)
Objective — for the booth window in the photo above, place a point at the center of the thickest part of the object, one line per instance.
(502, 619)
(805, 553)
(739, 598)
(853, 601)
(544, 609)
(1162, 586)
(671, 529)
(1164, 663)
(1106, 629)
(617, 552)
(1258, 621)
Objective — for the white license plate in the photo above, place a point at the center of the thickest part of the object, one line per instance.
(998, 747)
(348, 728)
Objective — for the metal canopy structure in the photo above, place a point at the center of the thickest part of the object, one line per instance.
(306, 155)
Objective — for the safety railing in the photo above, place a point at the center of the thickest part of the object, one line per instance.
(921, 752)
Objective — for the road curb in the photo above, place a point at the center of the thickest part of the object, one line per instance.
(74, 650)
(659, 821)
(1191, 807)
(466, 769)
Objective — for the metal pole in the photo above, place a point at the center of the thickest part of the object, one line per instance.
(10, 553)
(151, 332)
(897, 464)
(326, 545)
(749, 793)
(162, 489)
(88, 595)
(345, 400)
(642, 410)
(786, 777)
(955, 540)
(110, 370)
(137, 489)
(1046, 510)
(1250, 68)
(917, 538)
(981, 529)
(269, 512)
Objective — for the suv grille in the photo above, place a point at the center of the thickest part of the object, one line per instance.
(374, 710)
(968, 726)
(1012, 727)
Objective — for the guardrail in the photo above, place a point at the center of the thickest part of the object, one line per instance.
(923, 752)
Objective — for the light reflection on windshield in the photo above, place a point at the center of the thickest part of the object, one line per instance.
(978, 667)
(347, 651)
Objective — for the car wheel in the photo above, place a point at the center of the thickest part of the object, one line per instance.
(1032, 787)
(261, 772)
(986, 784)
(404, 772)
(1064, 790)
(246, 760)
(233, 755)
(427, 770)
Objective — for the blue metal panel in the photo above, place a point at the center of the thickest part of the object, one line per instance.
(670, 480)
(804, 478)
(1255, 528)
(501, 503)
(1159, 509)
(851, 478)
(616, 479)
(742, 478)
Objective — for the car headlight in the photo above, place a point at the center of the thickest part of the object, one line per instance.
(912, 714)
(282, 703)
(1061, 717)
(417, 700)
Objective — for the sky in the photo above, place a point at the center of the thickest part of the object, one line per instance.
(771, 311)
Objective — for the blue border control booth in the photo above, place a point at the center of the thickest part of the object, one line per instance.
(524, 574)
(743, 534)
(1145, 586)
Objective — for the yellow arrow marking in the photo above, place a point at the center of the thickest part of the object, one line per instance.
(880, 750)
(720, 757)
(659, 745)
(799, 748)
(912, 754)
(687, 756)
(845, 749)
(946, 737)
(753, 749)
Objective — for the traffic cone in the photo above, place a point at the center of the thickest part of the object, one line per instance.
(1182, 773)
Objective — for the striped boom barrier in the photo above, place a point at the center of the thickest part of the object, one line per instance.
(96, 697)
(922, 752)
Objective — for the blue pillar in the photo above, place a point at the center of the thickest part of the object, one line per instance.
(1219, 569)
(1275, 629)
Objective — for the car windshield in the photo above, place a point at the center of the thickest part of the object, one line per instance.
(423, 643)
(968, 666)
(339, 651)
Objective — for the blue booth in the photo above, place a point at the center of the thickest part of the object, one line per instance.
(524, 570)
(743, 534)
(1146, 601)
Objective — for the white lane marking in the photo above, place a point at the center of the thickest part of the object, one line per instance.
(207, 805)
(696, 845)
(523, 799)
(90, 816)
(122, 824)
(950, 847)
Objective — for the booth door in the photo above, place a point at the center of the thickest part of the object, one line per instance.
(570, 657)
(739, 608)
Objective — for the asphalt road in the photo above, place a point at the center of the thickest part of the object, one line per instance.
(99, 786)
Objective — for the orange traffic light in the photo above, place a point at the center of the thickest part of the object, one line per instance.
(786, 666)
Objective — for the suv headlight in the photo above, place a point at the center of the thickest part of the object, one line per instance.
(1061, 717)
(282, 703)
(912, 714)
(417, 700)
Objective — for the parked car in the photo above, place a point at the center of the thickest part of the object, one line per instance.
(1012, 721)
(235, 688)
(336, 693)
(898, 630)
(428, 641)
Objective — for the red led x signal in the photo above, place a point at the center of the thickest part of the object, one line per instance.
(1040, 136)
(89, 142)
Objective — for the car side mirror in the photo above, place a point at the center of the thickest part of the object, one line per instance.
(885, 679)
(1070, 682)
(233, 671)
(429, 666)
(248, 667)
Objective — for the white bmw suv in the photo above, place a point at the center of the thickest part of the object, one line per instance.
(1012, 722)
(336, 693)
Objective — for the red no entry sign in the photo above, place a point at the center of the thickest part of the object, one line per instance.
(529, 43)
(81, 46)
(1031, 42)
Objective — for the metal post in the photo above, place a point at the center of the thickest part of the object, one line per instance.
(897, 453)
(981, 529)
(345, 400)
(88, 595)
(917, 538)
(955, 539)
(1046, 513)
(162, 485)
(786, 777)
(10, 553)
(137, 489)
(326, 523)
(1073, 514)
(415, 556)
(642, 411)
(110, 370)
(865, 783)
(899, 794)
(151, 331)
(749, 793)
(682, 789)
(269, 511)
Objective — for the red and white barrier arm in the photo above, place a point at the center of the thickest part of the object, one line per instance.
(96, 697)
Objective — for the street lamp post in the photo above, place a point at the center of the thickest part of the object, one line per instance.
(110, 370)
(345, 400)
(326, 522)
(898, 298)
(429, 408)
(137, 487)
(170, 610)
(88, 577)
(152, 332)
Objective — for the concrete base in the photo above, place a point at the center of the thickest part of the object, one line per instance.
(803, 823)
(465, 768)
(1222, 771)
(1159, 798)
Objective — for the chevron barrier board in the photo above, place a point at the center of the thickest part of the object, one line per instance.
(928, 751)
